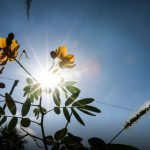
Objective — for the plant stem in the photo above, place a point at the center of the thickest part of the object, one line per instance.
(51, 66)
(25, 69)
(21, 118)
(116, 135)
(67, 121)
(42, 125)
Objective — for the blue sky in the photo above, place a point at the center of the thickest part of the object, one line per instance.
(110, 40)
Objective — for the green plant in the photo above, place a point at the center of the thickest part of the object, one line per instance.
(34, 90)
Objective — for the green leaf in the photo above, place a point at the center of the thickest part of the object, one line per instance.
(35, 94)
(31, 97)
(90, 108)
(86, 112)
(71, 139)
(29, 81)
(56, 97)
(36, 112)
(57, 110)
(27, 88)
(10, 103)
(25, 93)
(71, 99)
(26, 107)
(2, 112)
(49, 140)
(65, 92)
(96, 143)
(84, 101)
(66, 114)
(25, 122)
(12, 124)
(60, 134)
(76, 115)
(42, 110)
(72, 89)
(3, 120)
(56, 146)
(70, 83)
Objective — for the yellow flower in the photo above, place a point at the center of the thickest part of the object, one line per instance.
(8, 52)
(61, 52)
(67, 60)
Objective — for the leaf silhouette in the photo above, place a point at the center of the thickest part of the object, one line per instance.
(66, 114)
(25, 122)
(26, 107)
(12, 124)
(10, 103)
(76, 115)
(84, 101)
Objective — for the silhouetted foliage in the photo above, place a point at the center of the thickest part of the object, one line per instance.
(11, 140)
(63, 139)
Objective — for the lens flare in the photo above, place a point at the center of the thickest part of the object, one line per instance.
(48, 79)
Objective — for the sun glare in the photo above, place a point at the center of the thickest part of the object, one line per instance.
(48, 79)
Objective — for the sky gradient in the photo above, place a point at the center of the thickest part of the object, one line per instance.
(110, 40)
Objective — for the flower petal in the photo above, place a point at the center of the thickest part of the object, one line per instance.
(61, 52)
(2, 42)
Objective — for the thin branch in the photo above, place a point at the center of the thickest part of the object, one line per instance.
(69, 119)
(25, 69)
(17, 102)
(31, 135)
(27, 134)
(116, 135)
(21, 118)
(52, 66)
(42, 125)
(61, 107)
(2, 95)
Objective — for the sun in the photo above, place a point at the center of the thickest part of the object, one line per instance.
(48, 79)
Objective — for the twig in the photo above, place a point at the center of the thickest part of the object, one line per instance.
(42, 125)
(21, 118)
(116, 135)
(31, 135)
(17, 102)
(25, 69)
(69, 119)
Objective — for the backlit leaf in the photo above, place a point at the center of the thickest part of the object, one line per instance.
(29, 81)
(26, 107)
(71, 139)
(71, 99)
(90, 108)
(10, 103)
(2, 112)
(56, 97)
(25, 122)
(86, 112)
(76, 115)
(66, 114)
(84, 101)
(72, 89)
(57, 110)
(12, 124)
(49, 140)
(65, 92)
(60, 134)
(3, 120)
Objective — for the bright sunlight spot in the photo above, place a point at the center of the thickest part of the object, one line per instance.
(48, 79)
